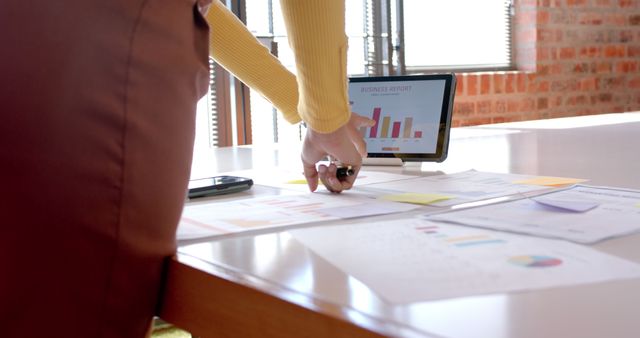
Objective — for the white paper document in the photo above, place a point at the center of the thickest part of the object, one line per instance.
(217, 218)
(582, 214)
(470, 186)
(412, 260)
(294, 180)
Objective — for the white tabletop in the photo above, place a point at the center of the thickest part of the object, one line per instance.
(603, 149)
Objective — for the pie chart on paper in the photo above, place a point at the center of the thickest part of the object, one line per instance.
(535, 261)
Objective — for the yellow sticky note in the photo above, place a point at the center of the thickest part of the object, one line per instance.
(416, 198)
(638, 205)
(551, 181)
(297, 181)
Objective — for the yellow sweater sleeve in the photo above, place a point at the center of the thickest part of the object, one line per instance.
(316, 30)
(234, 47)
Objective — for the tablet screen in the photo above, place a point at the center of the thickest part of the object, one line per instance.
(412, 114)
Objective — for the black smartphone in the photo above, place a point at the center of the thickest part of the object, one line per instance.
(218, 185)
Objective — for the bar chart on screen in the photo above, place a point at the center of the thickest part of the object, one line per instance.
(382, 130)
(385, 128)
(392, 131)
(406, 115)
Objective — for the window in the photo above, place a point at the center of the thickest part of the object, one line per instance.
(386, 37)
(457, 34)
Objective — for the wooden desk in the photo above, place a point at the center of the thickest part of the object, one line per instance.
(269, 285)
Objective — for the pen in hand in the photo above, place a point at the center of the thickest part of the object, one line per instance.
(343, 172)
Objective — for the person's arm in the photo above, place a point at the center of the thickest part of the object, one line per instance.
(237, 50)
(316, 31)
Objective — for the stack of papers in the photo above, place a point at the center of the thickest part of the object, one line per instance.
(582, 214)
(413, 260)
(466, 187)
(219, 218)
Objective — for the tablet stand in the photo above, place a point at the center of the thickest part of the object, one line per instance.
(390, 161)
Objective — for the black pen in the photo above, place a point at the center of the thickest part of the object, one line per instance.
(343, 172)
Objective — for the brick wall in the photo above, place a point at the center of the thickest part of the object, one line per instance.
(573, 57)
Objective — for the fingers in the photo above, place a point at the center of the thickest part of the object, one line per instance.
(361, 121)
(328, 177)
(358, 141)
(355, 123)
(345, 145)
(311, 175)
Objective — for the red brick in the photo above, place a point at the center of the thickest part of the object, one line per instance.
(484, 107)
(625, 36)
(573, 84)
(603, 3)
(634, 83)
(464, 108)
(501, 107)
(604, 67)
(542, 17)
(627, 66)
(547, 35)
(527, 104)
(625, 3)
(615, 19)
(604, 97)
(543, 103)
(543, 86)
(590, 18)
(567, 53)
(611, 51)
(543, 69)
(512, 106)
(590, 52)
(509, 86)
(544, 3)
(589, 84)
(475, 121)
(634, 20)
(542, 54)
(581, 67)
(557, 101)
(498, 83)
(633, 51)
(613, 83)
(591, 36)
(521, 79)
(559, 86)
(472, 85)
(576, 2)
(459, 85)
(485, 84)
(579, 100)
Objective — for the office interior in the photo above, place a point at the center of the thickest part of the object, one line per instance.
(561, 59)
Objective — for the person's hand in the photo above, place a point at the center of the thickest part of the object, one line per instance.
(344, 145)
